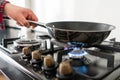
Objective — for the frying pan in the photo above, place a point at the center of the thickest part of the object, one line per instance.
(90, 33)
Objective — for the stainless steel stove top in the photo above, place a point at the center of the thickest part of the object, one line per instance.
(101, 63)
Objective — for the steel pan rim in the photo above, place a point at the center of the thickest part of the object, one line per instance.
(111, 27)
(84, 30)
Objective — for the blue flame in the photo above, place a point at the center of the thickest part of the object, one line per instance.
(79, 44)
(77, 52)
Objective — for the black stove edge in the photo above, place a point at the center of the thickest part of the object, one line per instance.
(106, 47)
(8, 64)
(110, 58)
(7, 51)
(6, 41)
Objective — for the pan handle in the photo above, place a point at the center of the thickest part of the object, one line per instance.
(50, 30)
(37, 23)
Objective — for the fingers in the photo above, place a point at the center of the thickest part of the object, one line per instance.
(23, 22)
(23, 16)
(19, 24)
(26, 23)
(29, 15)
(20, 14)
(32, 17)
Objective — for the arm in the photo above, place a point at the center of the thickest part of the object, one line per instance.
(2, 5)
(19, 14)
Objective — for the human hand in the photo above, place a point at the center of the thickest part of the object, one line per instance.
(20, 14)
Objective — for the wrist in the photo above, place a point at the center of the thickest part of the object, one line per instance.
(2, 6)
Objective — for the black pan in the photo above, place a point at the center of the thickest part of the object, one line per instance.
(90, 33)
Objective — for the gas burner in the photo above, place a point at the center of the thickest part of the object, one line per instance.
(77, 53)
(75, 49)
(86, 63)
(19, 44)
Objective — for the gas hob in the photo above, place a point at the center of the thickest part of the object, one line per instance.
(101, 62)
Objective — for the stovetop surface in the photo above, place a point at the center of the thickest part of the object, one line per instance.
(101, 68)
(105, 72)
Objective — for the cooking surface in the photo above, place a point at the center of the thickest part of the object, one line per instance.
(103, 69)
(97, 64)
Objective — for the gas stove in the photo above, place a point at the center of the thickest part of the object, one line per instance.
(52, 60)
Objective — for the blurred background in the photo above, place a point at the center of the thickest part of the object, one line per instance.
(103, 11)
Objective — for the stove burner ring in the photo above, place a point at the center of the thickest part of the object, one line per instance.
(19, 44)
(77, 53)
(27, 42)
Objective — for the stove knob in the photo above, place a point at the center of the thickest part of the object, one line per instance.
(48, 61)
(65, 68)
(65, 71)
(36, 60)
(49, 67)
(26, 56)
(36, 55)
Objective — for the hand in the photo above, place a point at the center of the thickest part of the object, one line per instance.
(20, 14)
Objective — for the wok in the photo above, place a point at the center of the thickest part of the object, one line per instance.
(90, 33)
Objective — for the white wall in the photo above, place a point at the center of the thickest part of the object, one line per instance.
(18, 2)
(104, 11)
